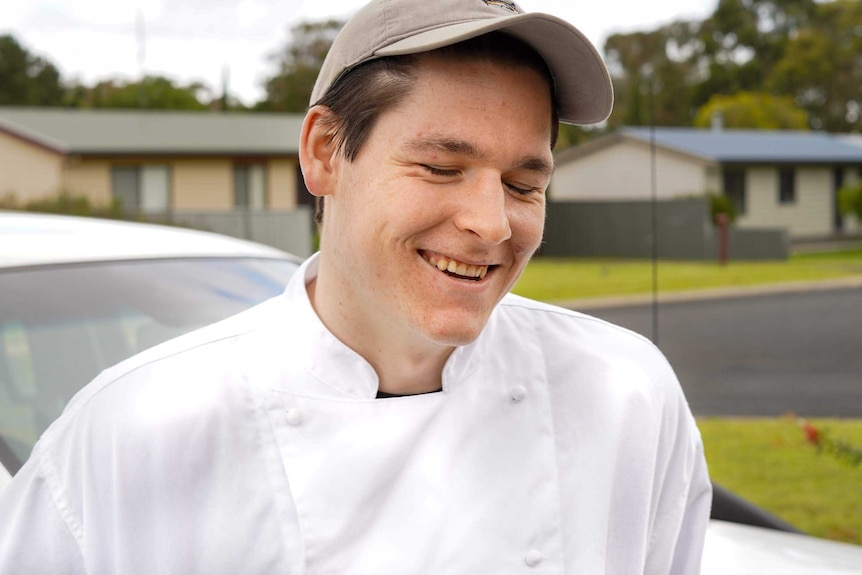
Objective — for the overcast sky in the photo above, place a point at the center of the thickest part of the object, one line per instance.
(194, 40)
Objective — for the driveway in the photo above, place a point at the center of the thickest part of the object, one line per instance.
(761, 355)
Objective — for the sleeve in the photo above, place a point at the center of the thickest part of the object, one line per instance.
(34, 536)
(688, 550)
(684, 500)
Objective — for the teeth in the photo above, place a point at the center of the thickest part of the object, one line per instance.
(458, 268)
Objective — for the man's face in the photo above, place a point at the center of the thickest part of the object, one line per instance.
(434, 221)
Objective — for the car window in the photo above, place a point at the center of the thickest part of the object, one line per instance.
(62, 325)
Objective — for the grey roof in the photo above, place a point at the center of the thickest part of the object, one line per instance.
(75, 131)
(754, 146)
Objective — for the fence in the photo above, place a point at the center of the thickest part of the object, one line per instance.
(625, 230)
(291, 231)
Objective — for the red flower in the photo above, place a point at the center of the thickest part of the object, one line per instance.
(812, 434)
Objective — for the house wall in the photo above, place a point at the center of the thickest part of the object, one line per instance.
(30, 171)
(27, 170)
(202, 184)
(622, 171)
(809, 216)
(89, 178)
(282, 183)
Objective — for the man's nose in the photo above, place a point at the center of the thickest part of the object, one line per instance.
(482, 210)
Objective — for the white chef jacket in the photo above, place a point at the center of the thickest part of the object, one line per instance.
(559, 444)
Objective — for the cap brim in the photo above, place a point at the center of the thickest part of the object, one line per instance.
(583, 86)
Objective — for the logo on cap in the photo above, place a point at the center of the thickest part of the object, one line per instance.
(510, 6)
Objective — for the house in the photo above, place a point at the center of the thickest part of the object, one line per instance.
(776, 179)
(153, 161)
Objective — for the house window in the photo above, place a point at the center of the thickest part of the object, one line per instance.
(786, 186)
(734, 188)
(249, 186)
(141, 188)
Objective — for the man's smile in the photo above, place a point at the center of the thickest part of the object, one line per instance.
(455, 268)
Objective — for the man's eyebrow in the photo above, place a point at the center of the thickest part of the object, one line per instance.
(464, 148)
(536, 164)
(446, 145)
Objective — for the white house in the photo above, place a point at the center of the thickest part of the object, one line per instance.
(776, 179)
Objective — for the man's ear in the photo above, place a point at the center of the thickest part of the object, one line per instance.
(317, 152)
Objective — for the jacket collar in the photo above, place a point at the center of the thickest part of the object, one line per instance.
(332, 363)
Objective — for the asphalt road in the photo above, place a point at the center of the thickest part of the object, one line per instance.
(761, 355)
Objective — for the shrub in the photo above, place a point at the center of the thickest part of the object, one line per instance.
(721, 204)
(850, 200)
(65, 203)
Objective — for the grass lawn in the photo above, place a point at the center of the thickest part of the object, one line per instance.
(770, 463)
(555, 279)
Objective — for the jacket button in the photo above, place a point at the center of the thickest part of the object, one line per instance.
(519, 392)
(533, 557)
(294, 416)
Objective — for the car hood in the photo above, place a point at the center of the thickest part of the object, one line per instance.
(733, 549)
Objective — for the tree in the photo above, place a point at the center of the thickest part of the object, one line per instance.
(754, 110)
(743, 41)
(152, 92)
(850, 200)
(25, 79)
(822, 70)
(654, 74)
(299, 62)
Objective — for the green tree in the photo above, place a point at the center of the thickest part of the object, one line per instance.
(850, 200)
(26, 79)
(654, 74)
(821, 68)
(743, 40)
(754, 110)
(298, 64)
(152, 92)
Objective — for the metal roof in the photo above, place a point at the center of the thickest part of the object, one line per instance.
(754, 146)
(77, 131)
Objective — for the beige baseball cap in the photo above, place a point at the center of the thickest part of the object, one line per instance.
(397, 27)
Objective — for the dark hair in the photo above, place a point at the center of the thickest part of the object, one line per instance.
(364, 92)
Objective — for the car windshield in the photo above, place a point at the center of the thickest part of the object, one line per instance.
(62, 325)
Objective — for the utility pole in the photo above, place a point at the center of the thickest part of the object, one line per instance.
(141, 35)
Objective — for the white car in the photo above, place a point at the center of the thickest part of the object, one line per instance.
(78, 295)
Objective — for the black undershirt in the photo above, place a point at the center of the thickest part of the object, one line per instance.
(384, 395)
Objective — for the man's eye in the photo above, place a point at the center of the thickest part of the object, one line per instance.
(520, 191)
(440, 171)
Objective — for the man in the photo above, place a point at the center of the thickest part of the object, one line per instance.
(520, 436)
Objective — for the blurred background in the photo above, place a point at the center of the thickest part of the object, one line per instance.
(243, 43)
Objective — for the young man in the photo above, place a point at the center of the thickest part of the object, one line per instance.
(520, 436)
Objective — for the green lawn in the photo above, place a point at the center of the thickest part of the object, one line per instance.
(769, 462)
(554, 279)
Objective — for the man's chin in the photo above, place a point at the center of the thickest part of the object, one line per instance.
(456, 335)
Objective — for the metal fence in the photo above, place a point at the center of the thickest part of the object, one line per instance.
(624, 229)
(291, 231)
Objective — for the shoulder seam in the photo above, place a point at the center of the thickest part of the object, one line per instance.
(575, 315)
(63, 510)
